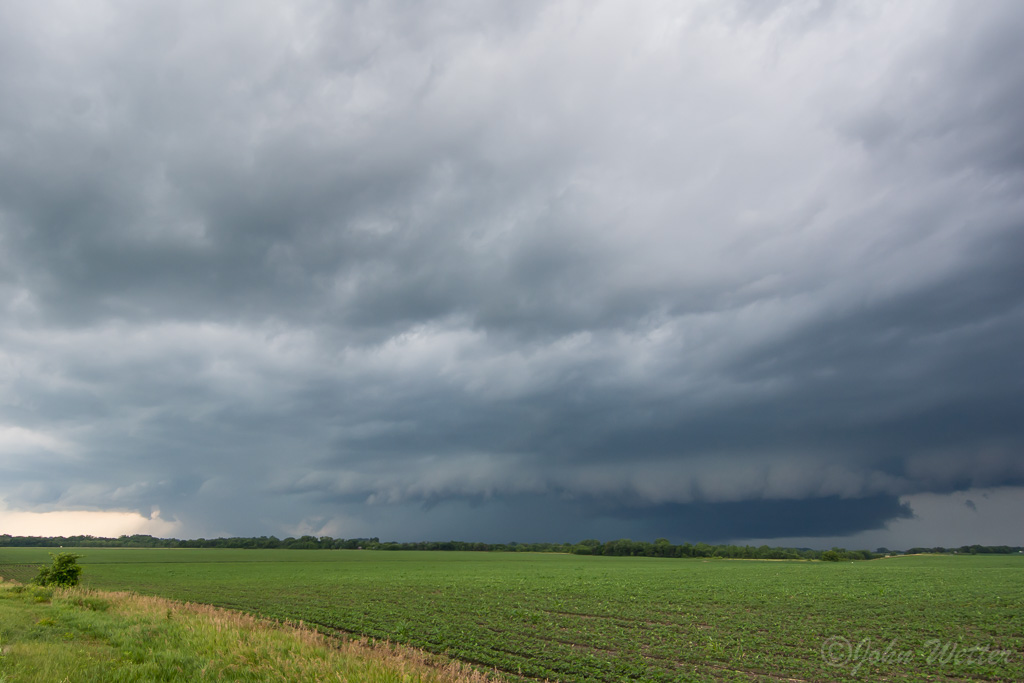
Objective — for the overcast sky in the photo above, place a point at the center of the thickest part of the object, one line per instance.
(532, 271)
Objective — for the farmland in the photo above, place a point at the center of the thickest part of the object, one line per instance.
(50, 634)
(578, 618)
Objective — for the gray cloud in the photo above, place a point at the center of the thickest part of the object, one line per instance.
(348, 268)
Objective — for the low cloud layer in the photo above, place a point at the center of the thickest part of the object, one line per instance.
(510, 271)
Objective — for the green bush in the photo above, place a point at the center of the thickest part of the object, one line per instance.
(89, 603)
(63, 572)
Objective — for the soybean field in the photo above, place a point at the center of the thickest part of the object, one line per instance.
(578, 618)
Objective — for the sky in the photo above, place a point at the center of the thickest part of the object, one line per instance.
(715, 272)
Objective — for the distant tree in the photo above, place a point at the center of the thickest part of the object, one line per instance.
(830, 556)
(663, 548)
(702, 550)
(63, 572)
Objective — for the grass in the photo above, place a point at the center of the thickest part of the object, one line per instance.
(83, 635)
(578, 618)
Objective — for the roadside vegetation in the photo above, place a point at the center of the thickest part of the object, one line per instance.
(74, 634)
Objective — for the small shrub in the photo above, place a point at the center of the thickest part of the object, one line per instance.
(40, 594)
(63, 572)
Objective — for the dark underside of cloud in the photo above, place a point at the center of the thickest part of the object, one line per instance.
(526, 518)
(525, 271)
(720, 522)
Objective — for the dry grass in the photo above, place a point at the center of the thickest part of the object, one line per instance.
(88, 635)
(267, 643)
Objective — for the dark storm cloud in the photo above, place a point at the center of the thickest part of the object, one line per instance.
(740, 271)
(720, 522)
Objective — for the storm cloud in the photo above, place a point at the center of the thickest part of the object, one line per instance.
(511, 271)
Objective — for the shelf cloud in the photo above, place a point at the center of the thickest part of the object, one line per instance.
(524, 271)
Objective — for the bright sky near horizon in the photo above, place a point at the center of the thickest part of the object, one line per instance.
(531, 271)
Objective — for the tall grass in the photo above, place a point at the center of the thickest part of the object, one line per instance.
(83, 635)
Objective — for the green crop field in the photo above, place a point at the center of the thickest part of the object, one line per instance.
(578, 618)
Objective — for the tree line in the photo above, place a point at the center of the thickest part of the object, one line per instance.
(964, 550)
(621, 547)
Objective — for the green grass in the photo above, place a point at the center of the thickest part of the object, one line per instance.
(83, 636)
(578, 618)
